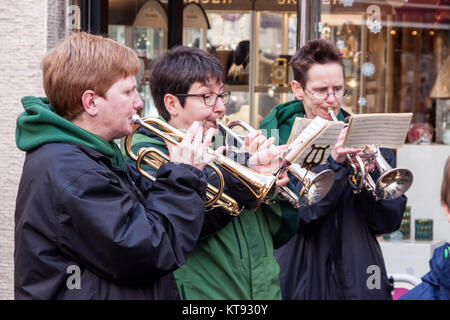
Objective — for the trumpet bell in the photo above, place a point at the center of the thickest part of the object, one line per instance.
(393, 183)
(318, 186)
(315, 185)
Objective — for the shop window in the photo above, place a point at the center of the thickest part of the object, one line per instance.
(393, 52)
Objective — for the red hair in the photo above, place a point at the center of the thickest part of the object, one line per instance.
(84, 62)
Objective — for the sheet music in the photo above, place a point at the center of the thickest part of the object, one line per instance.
(327, 137)
(386, 130)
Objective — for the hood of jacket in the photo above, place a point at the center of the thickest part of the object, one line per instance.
(282, 117)
(39, 125)
(439, 274)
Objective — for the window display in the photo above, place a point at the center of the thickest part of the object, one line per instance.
(393, 50)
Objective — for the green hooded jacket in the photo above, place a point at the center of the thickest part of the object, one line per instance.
(236, 262)
(39, 124)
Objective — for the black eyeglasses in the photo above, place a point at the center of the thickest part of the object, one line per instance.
(210, 98)
(322, 94)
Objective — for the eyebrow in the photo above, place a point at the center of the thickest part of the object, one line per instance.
(326, 87)
(209, 88)
(205, 84)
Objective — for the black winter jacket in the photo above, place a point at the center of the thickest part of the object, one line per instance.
(77, 211)
(335, 253)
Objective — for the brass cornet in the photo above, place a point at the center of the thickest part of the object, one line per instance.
(391, 184)
(315, 185)
(257, 183)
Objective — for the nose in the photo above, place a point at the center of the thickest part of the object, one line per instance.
(331, 98)
(138, 104)
(219, 107)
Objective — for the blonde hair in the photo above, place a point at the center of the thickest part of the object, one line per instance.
(84, 62)
(445, 192)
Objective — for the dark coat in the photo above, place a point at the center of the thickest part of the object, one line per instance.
(436, 283)
(335, 246)
(125, 234)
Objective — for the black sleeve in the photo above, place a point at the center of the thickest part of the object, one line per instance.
(104, 227)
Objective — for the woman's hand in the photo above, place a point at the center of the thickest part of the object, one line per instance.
(339, 153)
(194, 149)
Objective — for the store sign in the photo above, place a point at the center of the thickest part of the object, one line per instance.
(288, 5)
(152, 15)
(283, 2)
(209, 1)
(193, 17)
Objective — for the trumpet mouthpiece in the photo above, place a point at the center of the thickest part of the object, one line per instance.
(136, 119)
(331, 113)
(217, 122)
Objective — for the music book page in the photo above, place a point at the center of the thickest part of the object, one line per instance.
(326, 138)
(386, 130)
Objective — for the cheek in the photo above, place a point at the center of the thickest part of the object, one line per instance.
(313, 107)
(203, 114)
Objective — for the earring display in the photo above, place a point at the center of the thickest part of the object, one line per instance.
(424, 229)
(405, 226)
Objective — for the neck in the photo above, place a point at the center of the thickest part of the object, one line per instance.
(88, 124)
(308, 116)
(177, 123)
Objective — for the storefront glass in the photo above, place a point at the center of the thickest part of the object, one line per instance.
(395, 52)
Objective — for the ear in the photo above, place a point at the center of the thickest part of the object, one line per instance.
(172, 104)
(297, 90)
(446, 211)
(88, 100)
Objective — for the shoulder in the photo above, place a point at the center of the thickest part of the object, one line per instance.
(62, 154)
(142, 139)
(271, 120)
(60, 163)
(423, 291)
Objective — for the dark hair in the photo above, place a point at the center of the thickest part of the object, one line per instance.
(177, 70)
(445, 192)
(314, 51)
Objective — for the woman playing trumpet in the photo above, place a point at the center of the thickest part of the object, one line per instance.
(335, 252)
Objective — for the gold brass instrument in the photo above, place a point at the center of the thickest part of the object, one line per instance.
(391, 184)
(258, 184)
(315, 185)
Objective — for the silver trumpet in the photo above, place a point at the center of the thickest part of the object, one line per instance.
(315, 185)
(391, 184)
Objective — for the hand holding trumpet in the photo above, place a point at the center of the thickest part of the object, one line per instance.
(265, 156)
(339, 152)
(194, 148)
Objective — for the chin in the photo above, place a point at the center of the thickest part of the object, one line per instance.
(208, 125)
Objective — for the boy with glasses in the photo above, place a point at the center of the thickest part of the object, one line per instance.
(234, 259)
(335, 248)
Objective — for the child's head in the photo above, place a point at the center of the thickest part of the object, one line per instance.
(177, 70)
(445, 191)
(84, 62)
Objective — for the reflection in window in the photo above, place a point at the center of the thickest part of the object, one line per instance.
(193, 37)
(149, 42)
